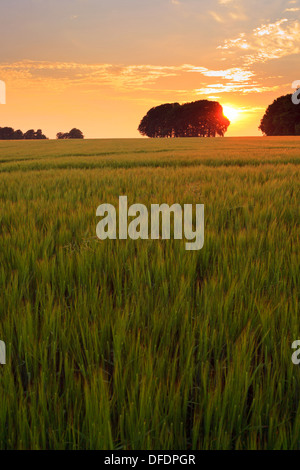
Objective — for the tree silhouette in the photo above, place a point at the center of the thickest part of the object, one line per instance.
(18, 135)
(61, 135)
(30, 135)
(282, 117)
(73, 134)
(198, 119)
(8, 133)
(39, 135)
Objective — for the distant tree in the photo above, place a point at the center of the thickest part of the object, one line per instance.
(198, 119)
(39, 135)
(61, 135)
(73, 134)
(18, 135)
(282, 117)
(29, 135)
(6, 133)
(32, 135)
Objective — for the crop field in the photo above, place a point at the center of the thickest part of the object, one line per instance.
(124, 344)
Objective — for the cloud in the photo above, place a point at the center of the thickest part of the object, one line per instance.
(216, 17)
(234, 74)
(269, 41)
(64, 74)
(134, 80)
(231, 10)
(123, 77)
(218, 88)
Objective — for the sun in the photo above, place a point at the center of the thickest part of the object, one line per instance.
(231, 113)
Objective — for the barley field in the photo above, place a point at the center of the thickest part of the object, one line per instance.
(141, 344)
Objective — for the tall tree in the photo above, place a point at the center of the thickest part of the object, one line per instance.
(282, 117)
(198, 119)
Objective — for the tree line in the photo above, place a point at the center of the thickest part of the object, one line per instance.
(8, 133)
(202, 118)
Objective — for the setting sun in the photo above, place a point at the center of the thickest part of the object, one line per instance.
(230, 113)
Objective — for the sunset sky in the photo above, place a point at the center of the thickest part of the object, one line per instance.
(100, 65)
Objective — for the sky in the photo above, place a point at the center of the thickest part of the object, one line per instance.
(101, 65)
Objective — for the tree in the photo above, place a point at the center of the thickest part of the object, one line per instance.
(29, 135)
(159, 121)
(6, 133)
(282, 117)
(18, 135)
(61, 135)
(73, 134)
(198, 119)
(39, 135)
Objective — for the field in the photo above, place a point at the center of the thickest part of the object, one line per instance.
(142, 344)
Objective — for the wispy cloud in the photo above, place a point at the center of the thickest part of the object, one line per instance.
(67, 73)
(187, 79)
(121, 77)
(229, 10)
(216, 17)
(269, 41)
(218, 88)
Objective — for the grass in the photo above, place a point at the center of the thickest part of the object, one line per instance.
(141, 344)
